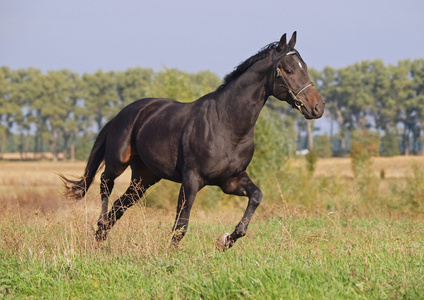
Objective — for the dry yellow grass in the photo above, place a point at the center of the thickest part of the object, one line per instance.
(36, 174)
(35, 185)
(394, 167)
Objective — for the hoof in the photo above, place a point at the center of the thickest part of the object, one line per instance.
(102, 222)
(175, 244)
(223, 242)
(101, 234)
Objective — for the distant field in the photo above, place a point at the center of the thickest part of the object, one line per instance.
(394, 167)
(35, 184)
(18, 173)
(330, 236)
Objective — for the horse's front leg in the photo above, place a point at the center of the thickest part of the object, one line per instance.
(189, 188)
(241, 186)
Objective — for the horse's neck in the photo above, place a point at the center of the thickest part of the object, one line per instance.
(242, 102)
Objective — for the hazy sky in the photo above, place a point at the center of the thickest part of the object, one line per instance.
(87, 35)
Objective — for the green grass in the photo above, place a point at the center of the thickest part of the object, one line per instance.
(319, 237)
(284, 256)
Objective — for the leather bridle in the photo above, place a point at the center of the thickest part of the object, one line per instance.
(293, 93)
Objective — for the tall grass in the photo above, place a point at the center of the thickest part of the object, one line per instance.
(312, 237)
(296, 254)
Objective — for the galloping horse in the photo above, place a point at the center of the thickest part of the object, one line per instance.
(205, 142)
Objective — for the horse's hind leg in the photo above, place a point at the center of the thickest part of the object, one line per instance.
(107, 182)
(141, 180)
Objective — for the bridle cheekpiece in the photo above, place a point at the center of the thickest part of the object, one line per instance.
(293, 93)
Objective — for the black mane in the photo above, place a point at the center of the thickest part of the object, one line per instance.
(241, 68)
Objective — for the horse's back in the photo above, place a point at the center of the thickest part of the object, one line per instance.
(169, 137)
(150, 129)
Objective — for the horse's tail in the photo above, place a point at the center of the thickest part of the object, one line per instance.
(77, 188)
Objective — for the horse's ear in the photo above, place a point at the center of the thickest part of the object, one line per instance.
(283, 43)
(293, 40)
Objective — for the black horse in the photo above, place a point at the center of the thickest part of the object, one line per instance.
(206, 142)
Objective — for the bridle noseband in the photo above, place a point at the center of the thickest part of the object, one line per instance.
(293, 93)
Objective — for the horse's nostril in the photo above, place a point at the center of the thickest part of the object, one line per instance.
(316, 109)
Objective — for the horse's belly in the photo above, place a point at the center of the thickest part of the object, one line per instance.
(160, 155)
(158, 150)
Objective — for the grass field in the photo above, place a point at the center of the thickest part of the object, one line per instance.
(329, 236)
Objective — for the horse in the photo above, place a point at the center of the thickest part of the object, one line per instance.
(209, 141)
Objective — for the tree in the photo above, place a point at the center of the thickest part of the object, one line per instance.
(336, 104)
(133, 84)
(323, 146)
(382, 106)
(6, 107)
(173, 84)
(56, 96)
(390, 143)
(71, 126)
(403, 93)
(205, 82)
(417, 73)
(355, 90)
(100, 97)
(59, 109)
(273, 144)
(20, 104)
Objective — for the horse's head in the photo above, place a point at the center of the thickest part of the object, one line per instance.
(291, 81)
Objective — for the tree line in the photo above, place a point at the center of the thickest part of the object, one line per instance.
(61, 111)
(54, 111)
(372, 96)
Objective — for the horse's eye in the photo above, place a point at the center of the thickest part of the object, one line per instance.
(288, 71)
